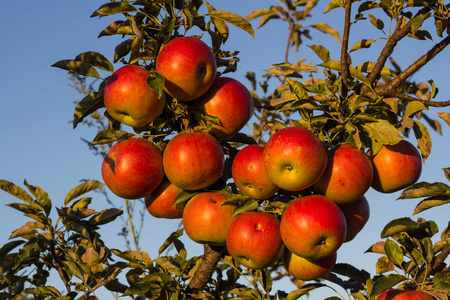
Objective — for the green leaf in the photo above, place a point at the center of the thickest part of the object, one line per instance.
(393, 251)
(6, 248)
(305, 289)
(355, 73)
(105, 216)
(427, 249)
(131, 256)
(351, 272)
(425, 189)
(233, 19)
(78, 67)
(97, 60)
(385, 282)
(137, 288)
(108, 136)
(383, 132)
(156, 82)
(376, 22)
(297, 88)
(445, 116)
(364, 43)
(417, 22)
(168, 265)
(41, 196)
(266, 280)
(89, 104)
(81, 189)
(431, 202)
(114, 8)
(398, 225)
(165, 33)
(247, 205)
(16, 191)
(72, 268)
(325, 28)
(334, 4)
(383, 265)
(117, 27)
(184, 196)
(322, 52)
(414, 107)
(173, 236)
(423, 138)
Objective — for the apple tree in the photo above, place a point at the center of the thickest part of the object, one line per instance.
(273, 202)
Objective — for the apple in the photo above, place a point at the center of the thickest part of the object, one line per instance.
(254, 239)
(294, 158)
(305, 269)
(313, 227)
(193, 160)
(396, 167)
(206, 218)
(229, 101)
(393, 294)
(133, 168)
(356, 214)
(188, 66)
(129, 99)
(160, 203)
(249, 174)
(348, 175)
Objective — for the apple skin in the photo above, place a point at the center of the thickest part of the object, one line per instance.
(231, 102)
(133, 168)
(129, 99)
(348, 175)
(356, 214)
(160, 203)
(188, 66)
(305, 269)
(393, 294)
(294, 158)
(313, 227)
(193, 160)
(396, 167)
(249, 174)
(206, 220)
(254, 239)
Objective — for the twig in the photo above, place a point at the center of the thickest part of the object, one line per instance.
(436, 264)
(406, 97)
(100, 283)
(344, 50)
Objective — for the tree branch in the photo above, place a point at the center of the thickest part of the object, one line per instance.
(436, 264)
(344, 50)
(406, 97)
(211, 257)
(101, 282)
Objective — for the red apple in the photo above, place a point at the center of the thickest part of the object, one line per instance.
(356, 214)
(393, 294)
(313, 227)
(249, 173)
(129, 99)
(396, 167)
(160, 203)
(188, 66)
(348, 175)
(294, 158)
(254, 239)
(231, 102)
(133, 168)
(193, 160)
(305, 269)
(206, 218)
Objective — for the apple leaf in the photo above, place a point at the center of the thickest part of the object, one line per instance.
(131, 256)
(378, 247)
(393, 251)
(431, 202)
(445, 116)
(305, 289)
(383, 132)
(24, 231)
(364, 43)
(325, 28)
(423, 137)
(114, 8)
(105, 216)
(351, 272)
(78, 67)
(447, 173)
(171, 239)
(89, 104)
(383, 265)
(246, 205)
(334, 4)
(425, 189)
(385, 282)
(81, 189)
(6, 248)
(110, 135)
(322, 52)
(233, 19)
(97, 60)
(183, 197)
(117, 27)
(398, 225)
(414, 107)
(42, 197)
(156, 82)
(16, 191)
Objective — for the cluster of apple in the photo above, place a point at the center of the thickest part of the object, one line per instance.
(311, 228)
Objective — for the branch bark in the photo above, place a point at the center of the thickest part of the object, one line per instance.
(436, 264)
(344, 50)
(211, 257)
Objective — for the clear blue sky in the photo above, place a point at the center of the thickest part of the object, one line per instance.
(38, 143)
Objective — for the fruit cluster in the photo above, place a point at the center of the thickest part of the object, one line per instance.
(311, 228)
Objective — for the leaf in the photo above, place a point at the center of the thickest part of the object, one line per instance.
(376, 22)
(16, 191)
(97, 60)
(248, 205)
(383, 265)
(184, 196)
(113, 8)
(156, 82)
(377, 248)
(445, 116)
(108, 136)
(447, 173)
(233, 19)
(6, 248)
(173, 236)
(24, 231)
(81, 189)
(351, 272)
(431, 202)
(364, 43)
(137, 288)
(325, 28)
(297, 88)
(414, 107)
(117, 27)
(385, 282)
(105, 216)
(305, 289)
(168, 265)
(131, 256)
(322, 52)
(393, 251)
(423, 138)
(425, 189)
(41, 196)
(398, 225)
(78, 67)
(383, 132)
(355, 73)
(89, 104)
(333, 5)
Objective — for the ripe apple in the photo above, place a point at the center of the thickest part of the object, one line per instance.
(206, 218)
(231, 102)
(133, 168)
(188, 66)
(393, 294)
(254, 239)
(294, 158)
(348, 175)
(313, 227)
(356, 214)
(305, 269)
(249, 174)
(160, 203)
(129, 99)
(396, 167)
(193, 160)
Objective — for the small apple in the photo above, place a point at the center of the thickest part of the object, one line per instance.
(206, 218)
(193, 160)
(249, 174)
(254, 239)
(393, 294)
(129, 99)
(305, 269)
(356, 214)
(313, 227)
(160, 203)
(231, 102)
(133, 168)
(396, 167)
(348, 175)
(188, 66)
(294, 158)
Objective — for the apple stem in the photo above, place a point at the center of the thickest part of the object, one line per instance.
(211, 256)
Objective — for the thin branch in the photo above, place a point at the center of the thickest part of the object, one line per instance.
(344, 50)
(406, 97)
(436, 265)
(101, 282)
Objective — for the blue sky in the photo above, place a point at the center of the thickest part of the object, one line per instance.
(39, 144)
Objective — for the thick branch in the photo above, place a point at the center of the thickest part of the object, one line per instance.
(436, 265)
(344, 50)
(211, 257)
